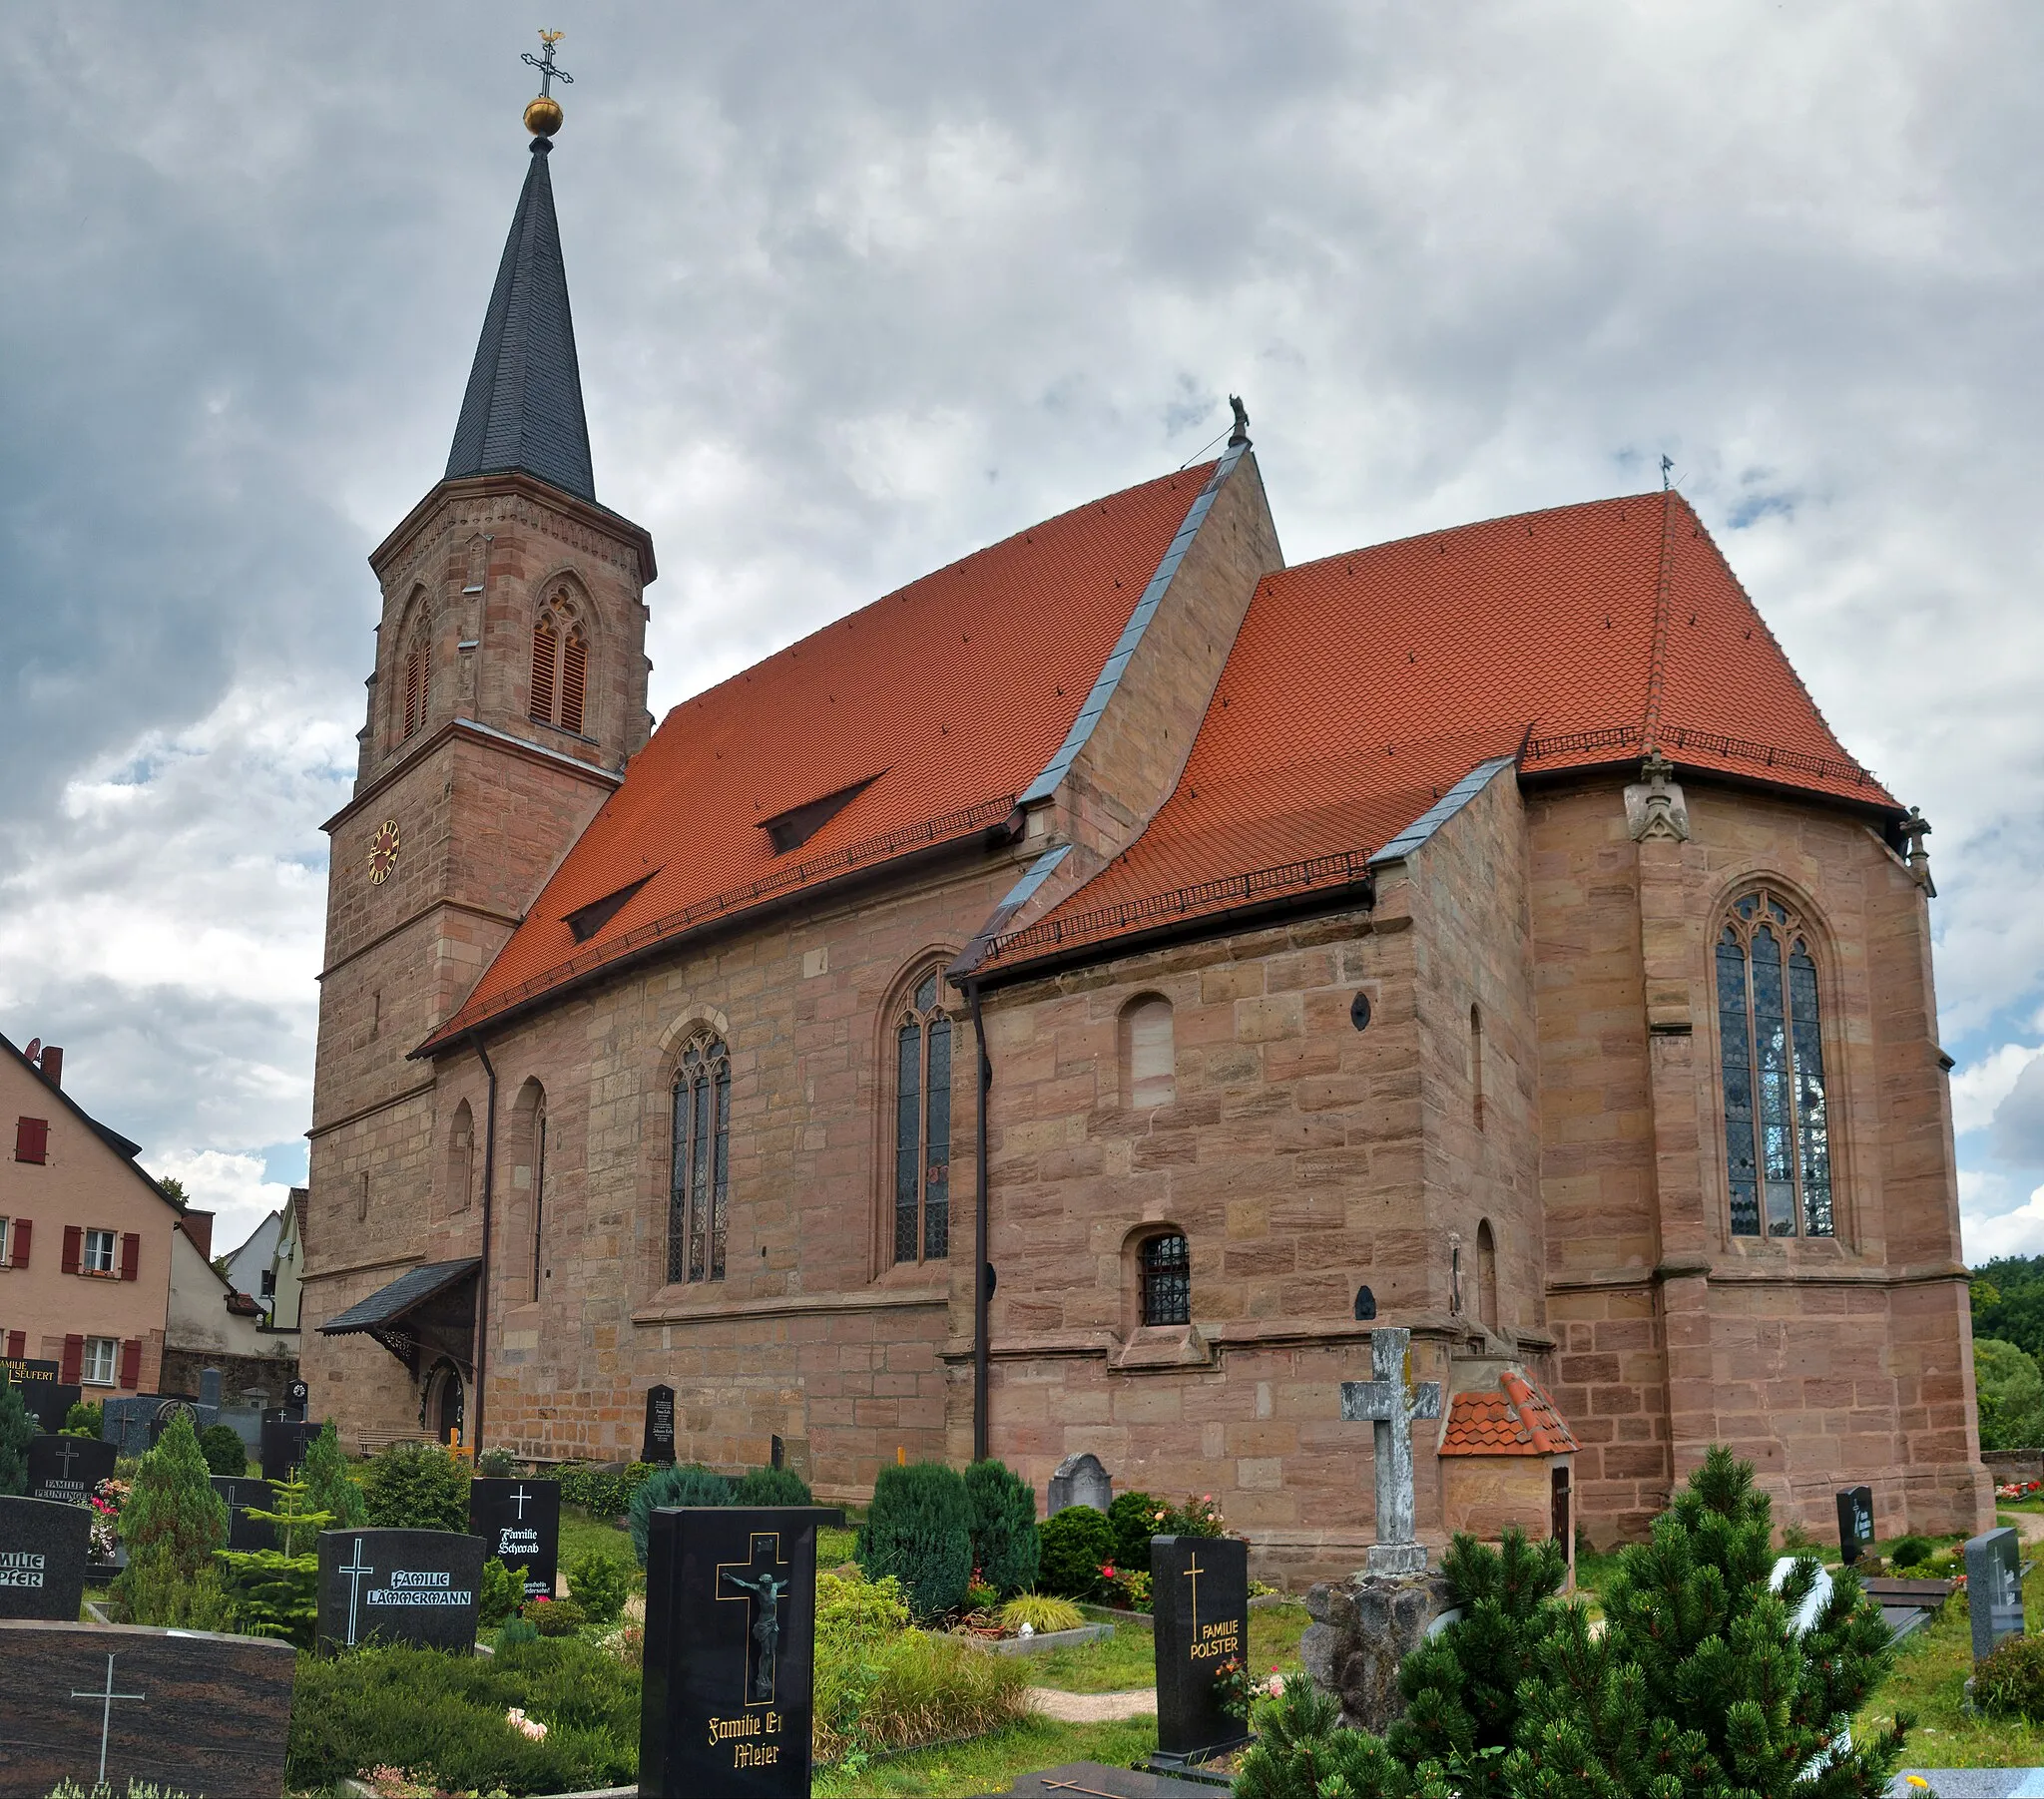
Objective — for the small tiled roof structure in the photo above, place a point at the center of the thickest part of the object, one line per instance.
(1363, 686)
(1513, 1417)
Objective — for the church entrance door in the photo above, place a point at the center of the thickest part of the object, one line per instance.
(446, 1403)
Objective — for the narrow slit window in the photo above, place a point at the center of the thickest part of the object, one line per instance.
(922, 1124)
(1149, 1053)
(417, 678)
(699, 1191)
(559, 667)
(546, 642)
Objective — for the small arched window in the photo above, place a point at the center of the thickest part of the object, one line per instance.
(923, 1123)
(699, 1187)
(1486, 1274)
(1166, 1266)
(560, 666)
(461, 1158)
(1778, 1145)
(1149, 1055)
(419, 672)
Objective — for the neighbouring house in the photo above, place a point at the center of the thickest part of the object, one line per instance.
(249, 1268)
(267, 1266)
(213, 1325)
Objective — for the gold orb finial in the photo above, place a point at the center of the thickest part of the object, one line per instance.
(543, 116)
(543, 112)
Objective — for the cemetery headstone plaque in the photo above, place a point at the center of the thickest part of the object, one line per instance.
(237, 1493)
(520, 1525)
(1855, 1523)
(297, 1400)
(658, 1443)
(67, 1468)
(28, 1368)
(284, 1442)
(731, 1627)
(209, 1397)
(1200, 1600)
(1994, 1588)
(1079, 1481)
(183, 1710)
(43, 1545)
(411, 1587)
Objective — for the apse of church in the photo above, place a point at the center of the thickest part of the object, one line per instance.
(1481, 934)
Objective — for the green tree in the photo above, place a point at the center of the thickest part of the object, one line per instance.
(275, 1592)
(2010, 1390)
(171, 1189)
(672, 1484)
(329, 1486)
(173, 1522)
(17, 1430)
(919, 1530)
(416, 1486)
(1005, 1547)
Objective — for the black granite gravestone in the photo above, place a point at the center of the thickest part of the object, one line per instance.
(297, 1397)
(1994, 1588)
(520, 1522)
(49, 1400)
(27, 1368)
(67, 1468)
(731, 1627)
(43, 1546)
(1200, 1600)
(1101, 1782)
(1855, 1523)
(237, 1493)
(106, 1704)
(284, 1442)
(1079, 1481)
(658, 1443)
(414, 1587)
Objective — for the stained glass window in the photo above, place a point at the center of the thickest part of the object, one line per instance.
(1167, 1281)
(698, 1190)
(922, 1125)
(1771, 1056)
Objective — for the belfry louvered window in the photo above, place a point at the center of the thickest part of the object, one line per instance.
(417, 676)
(698, 1190)
(922, 1125)
(1778, 1140)
(559, 667)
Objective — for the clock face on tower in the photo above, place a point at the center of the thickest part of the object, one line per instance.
(383, 851)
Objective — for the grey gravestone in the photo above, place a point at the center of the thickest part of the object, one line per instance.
(108, 1704)
(1390, 1403)
(412, 1587)
(1994, 1588)
(1200, 1600)
(284, 1442)
(209, 1397)
(68, 1467)
(1079, 1481)
(520, 1522)
(731, 1628)
(42, 1557)
(658, 1443)
(125, 1422)
(237, 1493)
(1855, 1523)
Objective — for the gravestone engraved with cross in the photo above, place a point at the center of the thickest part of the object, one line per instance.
(1199, 1601)
(68, 1467)
(1390, 1403)
(410, 1586)
(520, 1521)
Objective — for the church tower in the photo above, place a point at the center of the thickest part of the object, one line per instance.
(507, 696)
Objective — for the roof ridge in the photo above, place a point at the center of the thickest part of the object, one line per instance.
(1502, 517)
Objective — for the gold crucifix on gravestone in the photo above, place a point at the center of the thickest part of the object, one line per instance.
(763, 1589)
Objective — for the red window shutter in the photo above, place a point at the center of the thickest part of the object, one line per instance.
(74, 1248)
(131, 1254)
(542, 706)
(31, 1139)
(72, 1361)
(22, 1230)
(131, 1363)
(574, 676)
(17, 1344)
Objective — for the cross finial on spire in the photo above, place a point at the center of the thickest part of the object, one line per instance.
(543, 116)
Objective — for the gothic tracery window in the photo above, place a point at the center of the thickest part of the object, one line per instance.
(699, 1188)
(417, 678)
(560, 666)
(1778, 1146)
(922, 1124)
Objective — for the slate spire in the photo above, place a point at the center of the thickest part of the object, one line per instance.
(523, 408)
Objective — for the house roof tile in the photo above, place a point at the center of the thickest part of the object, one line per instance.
(1513, 1417)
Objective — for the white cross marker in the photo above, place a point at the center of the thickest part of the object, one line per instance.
(519, 1498)
(67, 1454)
(107, 1698)
(354, 1571)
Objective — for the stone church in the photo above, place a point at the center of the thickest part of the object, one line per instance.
(1067, 1003)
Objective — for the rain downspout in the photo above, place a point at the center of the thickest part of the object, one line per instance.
(984, 1269)
(482, 1286)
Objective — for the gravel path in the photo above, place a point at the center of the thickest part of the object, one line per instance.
(1092, 1708)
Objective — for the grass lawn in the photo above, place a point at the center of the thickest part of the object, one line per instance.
(1128, 1659)
(834, 1548)
(991, 1762)
(580, 1534)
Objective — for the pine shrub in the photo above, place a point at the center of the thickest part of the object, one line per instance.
(672, 1483)
(416, 1486)
(771, 1487)
(171, 1524)
(17, 1429)
(1006, 1550)
(330, 1488)
(275, 1592)
(223, 1449)
(1076, 1543)
(919, 1530)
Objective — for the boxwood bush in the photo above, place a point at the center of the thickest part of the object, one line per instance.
(919, 1530)
(603, 1492)
(416, 1486)
(1076, 1542)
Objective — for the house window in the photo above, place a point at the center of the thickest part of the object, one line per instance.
(101, 1355)
(560, 666)
(99, 1254)
(1149, 1058)
(1777, 1149)
(700, 1182)
(922, 1125)
(32, 1140)
(268, 1282)
(6, 1260)
(1166, 1265)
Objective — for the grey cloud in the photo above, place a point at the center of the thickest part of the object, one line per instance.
(2017, 1134)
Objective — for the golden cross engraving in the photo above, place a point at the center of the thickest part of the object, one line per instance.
(1193, 1572)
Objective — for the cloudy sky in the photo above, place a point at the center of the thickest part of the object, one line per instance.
(859, 288)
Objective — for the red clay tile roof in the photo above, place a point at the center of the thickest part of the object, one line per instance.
(1514, 1418)
(948, 696)
(1363, 685)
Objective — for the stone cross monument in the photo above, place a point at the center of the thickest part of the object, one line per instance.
(1390, 1403)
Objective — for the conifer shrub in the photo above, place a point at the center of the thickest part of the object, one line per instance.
(415, 1487)
(1137, 1517)
(674, 1484)
(919, 1530)
(223, 1449)
(771, 1487)
(330, 1486)
(83, 1420)
(17, 1427)
(501, 1593)
(1910, 1551)
(171, 1524)
(275, 1592)
(1077, 1544)
(601, 1582)
(1006, 1550)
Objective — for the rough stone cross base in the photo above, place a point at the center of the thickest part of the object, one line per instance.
(1396, 1559)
